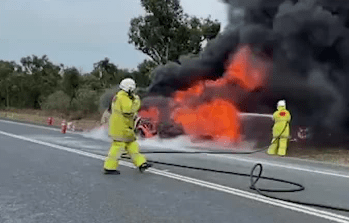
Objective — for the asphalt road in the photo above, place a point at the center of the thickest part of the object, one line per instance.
(46, 176)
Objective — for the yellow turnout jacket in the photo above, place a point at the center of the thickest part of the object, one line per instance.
(121, 122)
(281, 117)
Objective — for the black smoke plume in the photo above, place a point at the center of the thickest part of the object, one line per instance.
(106, 99)
(308, 44)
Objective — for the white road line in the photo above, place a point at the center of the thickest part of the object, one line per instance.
(284, 165)
(287, 205)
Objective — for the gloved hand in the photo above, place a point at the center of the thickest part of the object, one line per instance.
(131, 95)
(136, 103)
(134, 97)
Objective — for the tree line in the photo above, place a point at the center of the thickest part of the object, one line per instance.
(164, 33)
(31, 83)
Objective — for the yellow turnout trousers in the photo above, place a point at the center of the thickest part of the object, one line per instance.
(132, 148)
(278, 146)
(281, 132)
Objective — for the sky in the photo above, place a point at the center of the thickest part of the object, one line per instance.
(81, 32)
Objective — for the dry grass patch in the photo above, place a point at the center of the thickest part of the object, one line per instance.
(330, 155)
(40, 117)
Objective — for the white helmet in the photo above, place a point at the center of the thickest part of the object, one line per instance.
(128, 84)
(281, 103)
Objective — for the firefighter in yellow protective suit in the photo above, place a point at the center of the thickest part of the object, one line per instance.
(281, 130)
(124, 110)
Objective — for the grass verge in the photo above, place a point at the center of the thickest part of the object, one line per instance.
(40, 117)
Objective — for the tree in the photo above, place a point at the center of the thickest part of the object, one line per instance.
(91, 82)
(143, 75)
(7, 70)
(71, 82)
(107, 72)
(42, 79)
(165, 32)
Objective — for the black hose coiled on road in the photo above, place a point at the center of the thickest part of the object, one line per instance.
(253, 178)
(253, 187)
(253, 181)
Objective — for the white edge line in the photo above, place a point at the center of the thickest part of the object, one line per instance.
(206, 184)
(249, 195)
(288, 166)
(217, 155)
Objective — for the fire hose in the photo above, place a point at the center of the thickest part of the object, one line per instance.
(253, 178)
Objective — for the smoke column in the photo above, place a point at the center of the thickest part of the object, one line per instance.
(308, 44)
(106, 98)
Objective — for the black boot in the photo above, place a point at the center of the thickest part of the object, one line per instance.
(114, 172)
(144, 166)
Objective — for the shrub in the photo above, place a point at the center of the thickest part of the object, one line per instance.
(58, 101)
(86, 101)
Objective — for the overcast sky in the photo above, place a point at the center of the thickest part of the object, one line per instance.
(80, 32)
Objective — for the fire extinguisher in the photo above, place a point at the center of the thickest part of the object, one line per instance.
(64, 127)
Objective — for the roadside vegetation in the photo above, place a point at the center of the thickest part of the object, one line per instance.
(164, 33)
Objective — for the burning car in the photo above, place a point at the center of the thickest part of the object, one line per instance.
(254, 127)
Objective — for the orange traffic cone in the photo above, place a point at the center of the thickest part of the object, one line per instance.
(64, 127)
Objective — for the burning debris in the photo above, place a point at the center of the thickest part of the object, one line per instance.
(297, 50)
(213, 115)
(217, 120)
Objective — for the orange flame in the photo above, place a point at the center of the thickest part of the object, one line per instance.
(219, 118)
(248, 69)
(196, 90)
